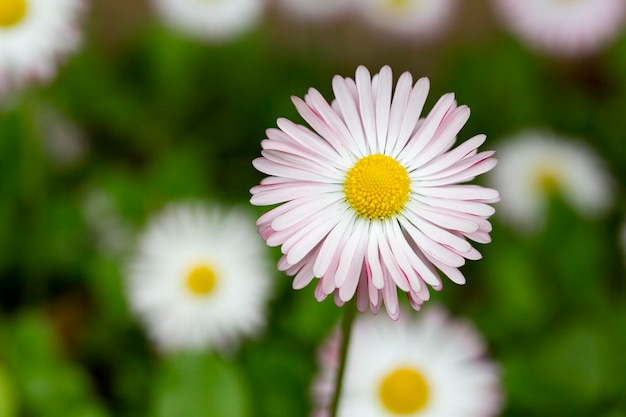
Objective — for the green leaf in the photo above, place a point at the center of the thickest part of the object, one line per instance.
(199, 385)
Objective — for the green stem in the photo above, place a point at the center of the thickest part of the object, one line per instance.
(346, 331)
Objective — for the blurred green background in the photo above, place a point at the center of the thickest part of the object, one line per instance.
(158, 117)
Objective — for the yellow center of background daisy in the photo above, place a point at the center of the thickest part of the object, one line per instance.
(201, 280)
(397, 4)
(547, 180)
(12, 12)
(377, 186)
(404, 391)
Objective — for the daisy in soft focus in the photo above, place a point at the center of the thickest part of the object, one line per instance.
(34, 36)
(370, 201)
(535, 165)
(320, 10)
(418, 19)
(421, 366)
(564, 27)
(215, 20)
(199, 279)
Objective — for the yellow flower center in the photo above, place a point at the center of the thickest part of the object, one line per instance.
(12, 12)
(397, 4)
(404, 391)
(201, 280)
(547, 179)
(377, 186)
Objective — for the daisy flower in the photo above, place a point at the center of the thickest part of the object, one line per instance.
(215, 20)
(34, 35)
(535, 165)
(188, 284)
(564, 27)
(427, 365)
(416, 18)
(371, 200)
(315, 9)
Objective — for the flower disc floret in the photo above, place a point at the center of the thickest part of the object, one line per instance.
(12, 12)
(377, 187)
(201, 280)
(404, 391)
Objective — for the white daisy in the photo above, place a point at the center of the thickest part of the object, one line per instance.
(564, 27)
(535, 164)
(422, 366)
(370, 201)
(420, 19)
(34, 35)
(200, 278)
(211, 20)
(316, 9)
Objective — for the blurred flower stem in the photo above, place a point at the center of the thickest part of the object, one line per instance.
(349, 314)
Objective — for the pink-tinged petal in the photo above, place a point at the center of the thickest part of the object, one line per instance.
(333, 119)
(330, 246)
(446, 219)
(438, 234)
(403, 253)
(362, 295)
(303, 241)
(303, 277)
(325, 130)
(479, 237)
(299, 139)
(373, 255)
(390, 296)
(272, 168)
(347, 290)
(398, 108)
(449, 158)
(315, 166)
(391, 268)
(461, 172)
(430, 247)
(319, 294)
(366, 107)
(451, 272)
(416, 302)
(473, 255)
(307, 210)
(444, 137)
(383, 106)
(266, 195)
(350, 254)
(470, 207)
(425, 133)
(410, 121)
(462, 192)
(350, 113)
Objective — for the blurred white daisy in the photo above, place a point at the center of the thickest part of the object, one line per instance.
(200, 278)
(535, 165)
(34, 35)
(564, 27)
(421, 366)
(370, 201)
(211, 20)
(315, 9)
(419, 19)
